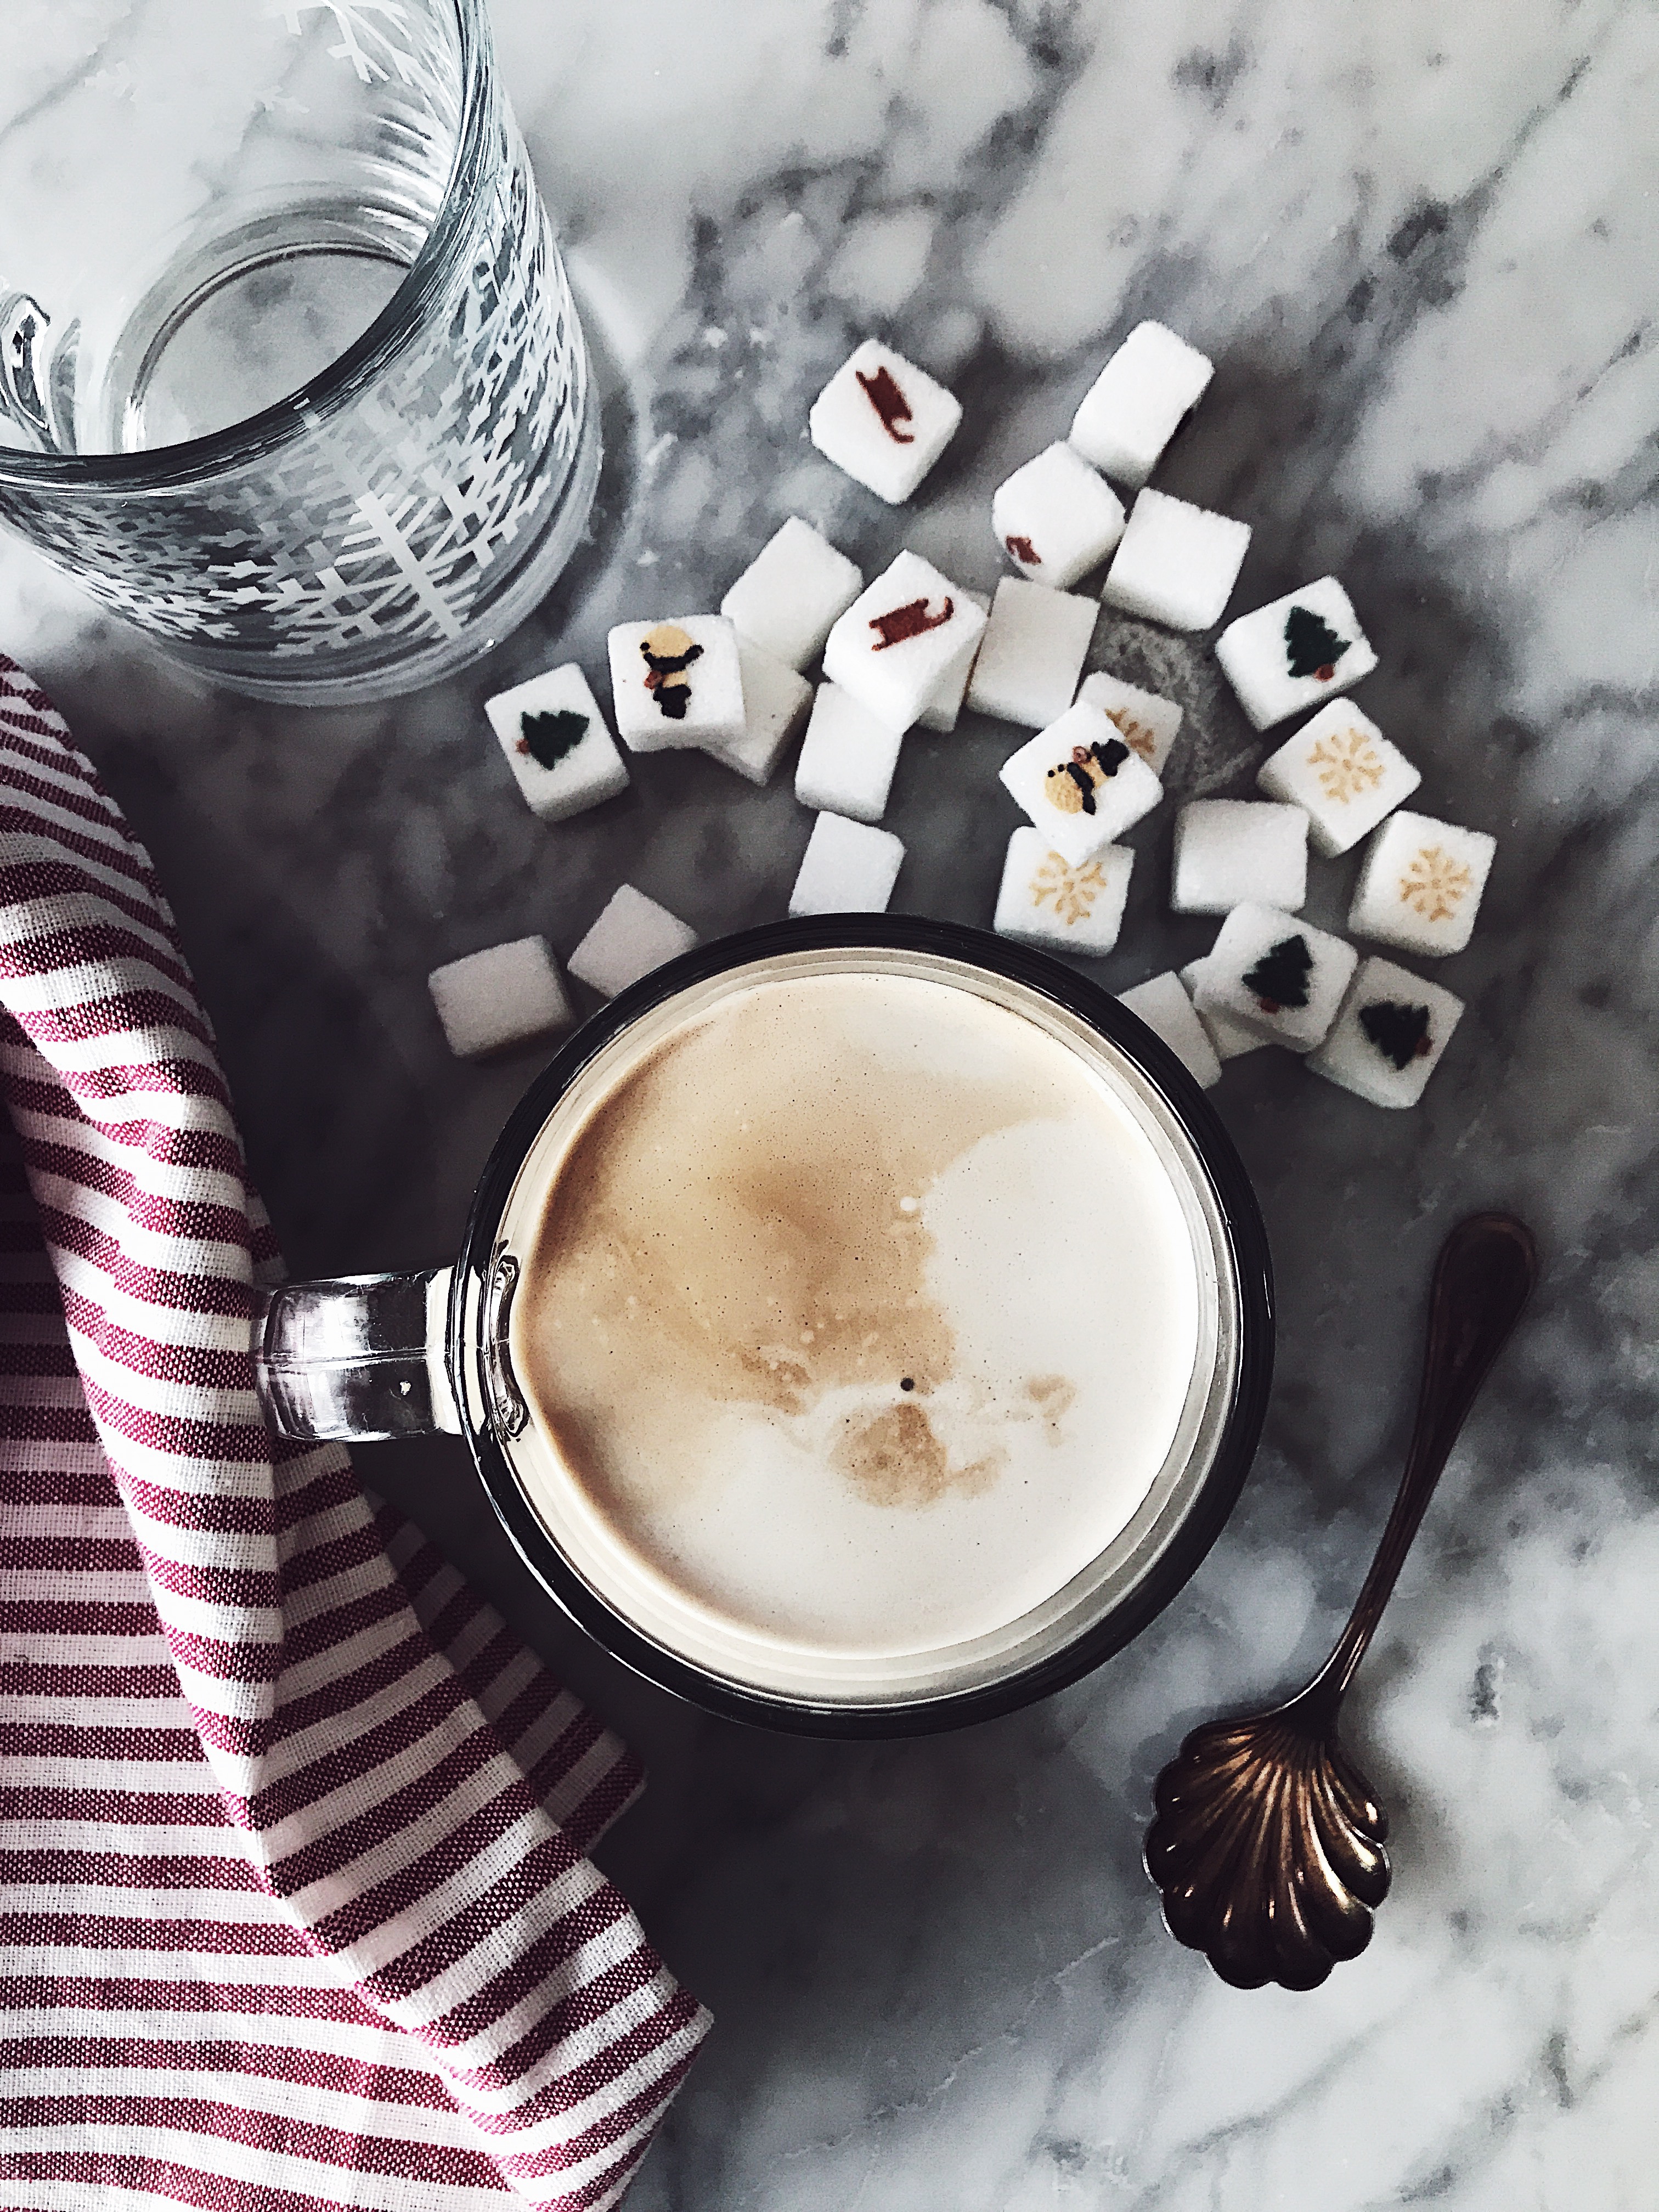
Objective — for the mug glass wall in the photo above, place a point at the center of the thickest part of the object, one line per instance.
(290, 376)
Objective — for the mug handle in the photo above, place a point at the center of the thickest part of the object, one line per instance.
(359, 1358)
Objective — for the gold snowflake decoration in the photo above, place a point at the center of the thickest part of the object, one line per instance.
(1136, 735)
(1073, 891)
(1348, 764)
(1434, 883)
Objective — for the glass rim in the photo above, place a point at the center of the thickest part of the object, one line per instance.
(162, 466)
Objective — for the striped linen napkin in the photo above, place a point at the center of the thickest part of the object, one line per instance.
(295, 1908)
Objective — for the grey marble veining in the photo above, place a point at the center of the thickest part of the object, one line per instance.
(1419, 242)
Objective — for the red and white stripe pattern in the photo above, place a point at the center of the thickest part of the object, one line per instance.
(295, 1909)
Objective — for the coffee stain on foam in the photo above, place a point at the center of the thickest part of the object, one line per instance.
(739, 1223)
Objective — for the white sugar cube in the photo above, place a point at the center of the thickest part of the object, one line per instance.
(1388, 1039)
(1421, 885)
(789, 595)
(848, 868)
(1032, 652)
(944, 709)
(1295, 653)
(1177, 563)
(848, 759)
(1055, 518)
(776, 703)
(557, 746)
(677, 683)
(1343, 773)
(883, 421)
(632, 936)
(1228, 850)
(1231, 1042)
(1276, 975)
(1137, 402)
(903, 640)
(493, 1000)
(1163, 1004)
(1080, 783)
(1047, 901)
(1148, 724)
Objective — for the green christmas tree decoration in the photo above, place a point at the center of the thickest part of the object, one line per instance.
(1400, 1033)
(1311, 646)
(1279, 978)
(548, 738)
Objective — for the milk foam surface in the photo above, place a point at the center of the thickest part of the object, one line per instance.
(863, 1311)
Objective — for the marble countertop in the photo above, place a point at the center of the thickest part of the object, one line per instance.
(1418, 243)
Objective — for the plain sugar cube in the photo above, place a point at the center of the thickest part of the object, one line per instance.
(1388, 1039)
(883, 421)
(493, 1000)
(1163, 1004)
(677, 683)
(848, 868)
(1055, 518)
(632, 936)
(1230, 1041)
(557, 744)
(1228, 850)
(1149, 725)
(1343, 773)
(1032, 654)
(787, 597)
(775, 703)
(1177, 563)
(846, 761)
(1421, 884)
(1276, 975)
(902, 640)
(1137, 402)
(1295, 653)
(944, 709)
(1045, 901)
(1080, 783)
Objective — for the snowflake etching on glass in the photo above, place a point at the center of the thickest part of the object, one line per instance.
(1436, 885)
(1073, 891)
(1348, 765)
(362, 39)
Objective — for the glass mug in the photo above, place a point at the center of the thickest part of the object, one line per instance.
(289, 372)
(378, 1356)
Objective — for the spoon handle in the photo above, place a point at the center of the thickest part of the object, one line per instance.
(1483, 1279)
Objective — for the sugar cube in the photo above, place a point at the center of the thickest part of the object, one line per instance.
(1080, 783)
(1032, 652)
(556, 742)
(791, 592)
(775, 703)
(1280, 977)
(1231, 1042)
(848, 868)
(1148, 724)
(677, 683)
(846, 761)
(1137, 402)
(632, 936)
(1343, 773)
(1163, 1004)
(944, 709)
(1047, 901)
(1228, 850)
(883, 421)
(1421, 885)
(1055, 518)
(1177, 563)
(493, 1000)
(1388, 1039)
(902, 640)
(1295, 653)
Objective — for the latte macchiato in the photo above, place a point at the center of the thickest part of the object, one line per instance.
(861, 1314)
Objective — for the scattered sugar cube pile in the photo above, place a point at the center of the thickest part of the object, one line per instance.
(913, 646)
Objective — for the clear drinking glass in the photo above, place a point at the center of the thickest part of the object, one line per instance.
(290, 376)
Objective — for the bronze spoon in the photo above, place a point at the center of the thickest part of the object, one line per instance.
(1267, 1846)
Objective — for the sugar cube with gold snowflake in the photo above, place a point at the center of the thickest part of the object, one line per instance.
(1062, 905)
(1148, 724)
(1343, 773)
(1421, 884)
